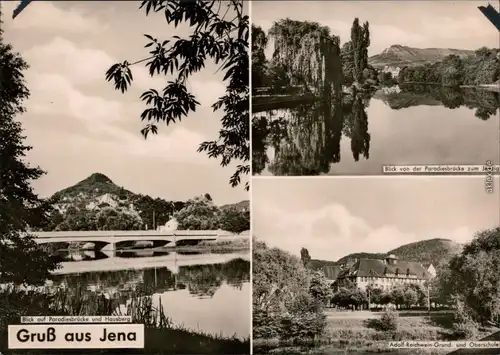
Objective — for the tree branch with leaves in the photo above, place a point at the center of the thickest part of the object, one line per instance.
(220, 32)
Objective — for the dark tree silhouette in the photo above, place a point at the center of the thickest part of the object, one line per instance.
(220, 32)
(304, 256)
(234, 220)
(259, 62)
(22, 260)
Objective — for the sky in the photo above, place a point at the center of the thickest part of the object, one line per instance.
(78, 124)
(335, 216)
(421, 24)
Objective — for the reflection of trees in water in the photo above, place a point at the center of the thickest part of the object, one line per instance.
(356, 126)
(306, 139)
(486, 103)
(204, 280)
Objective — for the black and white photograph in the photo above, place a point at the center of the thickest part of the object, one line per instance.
(346, 265)
(124, 171)
(347, 87)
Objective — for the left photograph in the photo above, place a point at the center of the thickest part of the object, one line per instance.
(124, 177)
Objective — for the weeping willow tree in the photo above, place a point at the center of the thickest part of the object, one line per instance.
(310, 54)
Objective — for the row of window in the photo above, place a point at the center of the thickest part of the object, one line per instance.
(385, 279)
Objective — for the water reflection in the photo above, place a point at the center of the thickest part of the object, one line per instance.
(201, 280)
(408, 125)
(140, 253)
(79, 255)
(485, 103)
(306, 138)
(205, 287)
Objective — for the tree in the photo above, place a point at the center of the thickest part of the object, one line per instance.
(474, 278)
(420, 292)
(397, 295)
(259, 62)
(199, 213)
(278, 278)
(161, 210)
(23, 261)
(410, 296)
(347, 56)
(213, 37)
(234, 220)
(360, 41)
(377, 296)
(111, 219)
(309, 53)
(304, 256)
(347, 297)
(277, 76)
(320, 288)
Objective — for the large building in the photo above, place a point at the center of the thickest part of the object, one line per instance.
(384, 274)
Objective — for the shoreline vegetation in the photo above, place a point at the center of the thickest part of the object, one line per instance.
(296, 72)
(162, 336)
(266, 102)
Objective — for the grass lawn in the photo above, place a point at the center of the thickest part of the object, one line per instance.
(355, 333)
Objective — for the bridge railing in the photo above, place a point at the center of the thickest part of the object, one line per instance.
(136, 234)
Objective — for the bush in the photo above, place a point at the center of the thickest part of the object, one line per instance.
(389, 321)
(302, 325)
(466, 330)
(265, 326)
(15, 304)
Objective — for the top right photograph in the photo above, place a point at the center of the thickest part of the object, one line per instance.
(374, 87)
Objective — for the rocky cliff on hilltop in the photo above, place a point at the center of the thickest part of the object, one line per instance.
(399, 56)
(97, 203)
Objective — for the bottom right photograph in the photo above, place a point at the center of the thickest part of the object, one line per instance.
(362, 265)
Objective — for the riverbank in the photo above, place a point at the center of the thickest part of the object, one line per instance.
(487, 87)
(356, 333)
(223, 245)
(274, 102)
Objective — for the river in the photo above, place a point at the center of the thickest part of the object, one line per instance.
(394, 126)
(203, 292)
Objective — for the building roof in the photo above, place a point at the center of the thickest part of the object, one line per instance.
(378, 268)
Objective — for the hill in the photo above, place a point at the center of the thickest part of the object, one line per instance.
(361, 256)
(399, 56)
(97, 203)
(436, 251)
(240, 206)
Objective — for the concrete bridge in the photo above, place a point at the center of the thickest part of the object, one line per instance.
(107, 240)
